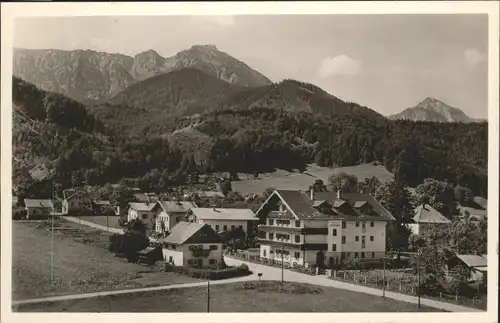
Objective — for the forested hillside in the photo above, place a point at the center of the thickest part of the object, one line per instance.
(252, 130)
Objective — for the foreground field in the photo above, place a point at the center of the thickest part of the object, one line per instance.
(301, 181)
(238, 297)
(77, 261)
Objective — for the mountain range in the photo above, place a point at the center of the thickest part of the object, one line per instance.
(433, 110)
(89, 76)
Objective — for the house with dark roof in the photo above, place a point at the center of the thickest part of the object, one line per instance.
(37, 208)
(169, 213)
(194, 245)
(322, 228)
(223, 219)
(426, 219)
(76, 201)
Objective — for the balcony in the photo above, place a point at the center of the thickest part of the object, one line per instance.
(294, 246)
(314, 231)
(280, 215)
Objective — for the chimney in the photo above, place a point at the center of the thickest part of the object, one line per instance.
(312, 194)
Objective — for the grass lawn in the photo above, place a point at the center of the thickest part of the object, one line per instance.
(301, 181)
(112, 220)
(79, 262)
(237, 297)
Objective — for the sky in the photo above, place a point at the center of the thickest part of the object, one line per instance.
(385, 62)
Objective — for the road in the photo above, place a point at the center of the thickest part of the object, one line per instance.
(268, 273)
(92, 225)
(273, 273)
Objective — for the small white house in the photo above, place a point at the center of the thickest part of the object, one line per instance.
(193, 245)
(169, 213)
(37, 208)
(223, 219)
(476, 264)
(427, 218)
(76, 201)
(143, 211)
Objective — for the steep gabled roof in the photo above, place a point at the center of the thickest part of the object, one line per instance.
(224, 214)
(45, 203)
(71, 192)
(474, 260)
(425, 213)
(143, 207)
(176, 206)
(302, 206)
(182, 231)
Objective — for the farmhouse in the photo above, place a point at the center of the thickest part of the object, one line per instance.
(36, 208)
(476, 264)
(427, 218)
(101, 207)
(75, 200)
(169, 213)
(322, 228)
(193, 245)
(143, 211)
(221, 219)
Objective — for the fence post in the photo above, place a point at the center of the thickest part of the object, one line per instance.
(365, 279)
(344, 275)
(335, 274)
(412, 289)
(400, 285)
(440, 295)
(474, 300)
(456, 297)
(388, 285)
(354, 276)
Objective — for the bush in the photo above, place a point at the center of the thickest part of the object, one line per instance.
(18, 214)
(214, 274)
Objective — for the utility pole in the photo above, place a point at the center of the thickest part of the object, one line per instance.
(282, 260)
(418, 275)
(52, 234)
(383, 279)
(208, 296)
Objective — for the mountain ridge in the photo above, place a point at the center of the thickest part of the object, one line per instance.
(91, 76)
(433, 110)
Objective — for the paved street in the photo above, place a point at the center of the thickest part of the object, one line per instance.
(268, 273)
(93, 225)
(273, 273)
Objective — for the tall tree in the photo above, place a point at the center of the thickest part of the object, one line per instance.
(397, 200)
(439, 194)
(344, 182)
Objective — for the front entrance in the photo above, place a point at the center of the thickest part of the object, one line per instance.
(320, 259)
(199, 263)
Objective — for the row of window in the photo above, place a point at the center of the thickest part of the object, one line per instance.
(283, 222)
(194, 262)
(283, 236)
(174, 247)
(224, 227)
(344, 225)
(278, 252)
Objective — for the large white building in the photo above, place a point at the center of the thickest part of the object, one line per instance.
(223, 219)
(194, 245)
(322, 228)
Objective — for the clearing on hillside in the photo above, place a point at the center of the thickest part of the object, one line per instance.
(295, 180)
